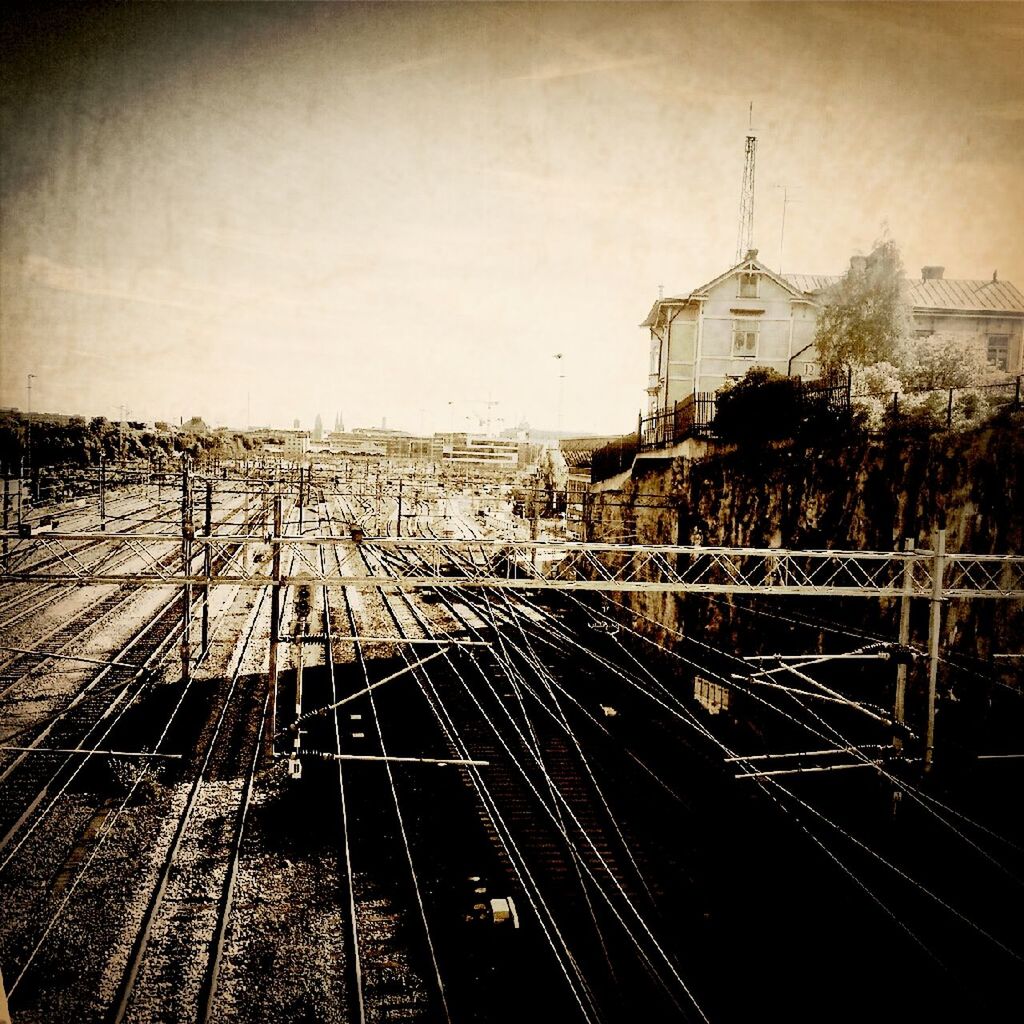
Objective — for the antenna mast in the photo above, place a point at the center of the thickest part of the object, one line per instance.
(745, 236)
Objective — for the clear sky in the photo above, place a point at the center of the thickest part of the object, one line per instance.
(258, 212)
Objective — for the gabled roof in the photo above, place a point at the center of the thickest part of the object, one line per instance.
(748, 266)
(655, 314)
(931, 294)
(937, 293)
(744, 266)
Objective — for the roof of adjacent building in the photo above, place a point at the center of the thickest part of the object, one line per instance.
(578, 451)
(989, 296)
(939, 294)
(810, 283)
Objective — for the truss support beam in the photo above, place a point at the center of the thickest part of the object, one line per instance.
(549, 565)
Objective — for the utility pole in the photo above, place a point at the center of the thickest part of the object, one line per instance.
(187, 534)
(28, 387)
(248, 524)
(398, 527)
(124, 410)
(207, 566)
(899, 707)
(7, 514)
(275, 625)
(561, 391)
(103, 492)
(934, 626)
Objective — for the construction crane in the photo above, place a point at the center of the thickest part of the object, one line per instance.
(485, 420)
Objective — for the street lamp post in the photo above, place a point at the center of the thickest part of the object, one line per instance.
(28, 387)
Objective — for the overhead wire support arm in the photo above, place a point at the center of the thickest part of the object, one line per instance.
(326, 755)
(814, 769)
(365, 690)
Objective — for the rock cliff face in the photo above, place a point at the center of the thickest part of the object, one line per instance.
(869, 494)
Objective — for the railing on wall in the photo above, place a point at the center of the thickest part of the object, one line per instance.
(694, 416)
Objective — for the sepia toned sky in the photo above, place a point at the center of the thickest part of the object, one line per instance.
(258, 212)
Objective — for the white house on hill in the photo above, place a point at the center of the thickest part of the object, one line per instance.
(751, 316)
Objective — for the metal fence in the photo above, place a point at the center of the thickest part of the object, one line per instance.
(692, 417)
(613, 458)
(696, 414)
(899, 405)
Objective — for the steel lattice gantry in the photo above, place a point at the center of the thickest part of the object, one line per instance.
(163, 560)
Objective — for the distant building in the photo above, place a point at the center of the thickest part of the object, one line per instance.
(466, 450)
(296, 443)
(751, 316)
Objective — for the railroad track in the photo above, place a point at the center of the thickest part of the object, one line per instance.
(60, 639)
(173, 965)
(47, 561)
(156, 968)
(543, 810)
(393, 972)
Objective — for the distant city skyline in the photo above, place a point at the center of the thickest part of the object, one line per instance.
(431, 213)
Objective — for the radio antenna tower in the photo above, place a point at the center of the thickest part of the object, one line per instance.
(745, 236)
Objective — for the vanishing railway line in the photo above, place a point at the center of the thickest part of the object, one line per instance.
(164, 977)
(542, 815)
(182, 880)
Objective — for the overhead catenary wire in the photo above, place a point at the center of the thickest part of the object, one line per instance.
(566, 961)
(643, 924)
(549, 809)
(883, 860)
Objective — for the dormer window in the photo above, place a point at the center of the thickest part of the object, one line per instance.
(748, 285)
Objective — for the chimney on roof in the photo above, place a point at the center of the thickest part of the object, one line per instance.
(751, 255)
(858, 264)
(932, 273)
(995, 276)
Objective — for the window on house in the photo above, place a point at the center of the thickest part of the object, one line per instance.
(744, 338)
(999, 351)
(748, 285)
